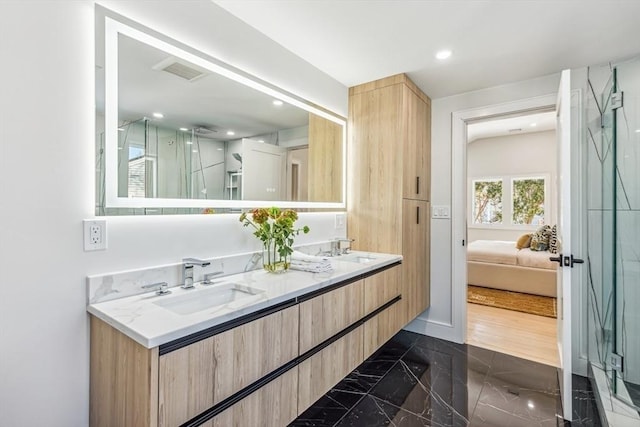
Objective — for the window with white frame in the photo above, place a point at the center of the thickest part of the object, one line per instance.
(509, 201)
(527, 200)
(487, 201)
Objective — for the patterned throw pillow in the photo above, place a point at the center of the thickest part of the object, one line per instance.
(524, 241)
(553, 240)
(540, 239)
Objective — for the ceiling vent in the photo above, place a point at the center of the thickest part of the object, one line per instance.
(204, 130)
(180, 68)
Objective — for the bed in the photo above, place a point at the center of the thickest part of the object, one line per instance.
(499, 265)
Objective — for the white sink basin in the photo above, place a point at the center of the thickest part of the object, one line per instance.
(359, 258)
(214, 297)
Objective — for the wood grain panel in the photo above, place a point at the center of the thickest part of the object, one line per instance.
(375, 165)
(389, 81)
(274, 405)
(194, 378)
(325, 369)
(324, 316)
(416, 174)
(416, 259)
(325, 160)
(381, 288)
(124, 379)
(381, 328)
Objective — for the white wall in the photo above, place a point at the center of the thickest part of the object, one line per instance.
(512, 155)
(439, 320)
(47, 121)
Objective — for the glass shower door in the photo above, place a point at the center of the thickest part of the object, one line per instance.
(626, 228)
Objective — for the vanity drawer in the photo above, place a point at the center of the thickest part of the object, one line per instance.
(381, 288)
(274, 405)
(326, 368)
(324, 316)
(194, 378)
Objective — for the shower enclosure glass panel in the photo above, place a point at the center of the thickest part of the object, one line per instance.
(613, 189)
(626, 199)
(158, 162)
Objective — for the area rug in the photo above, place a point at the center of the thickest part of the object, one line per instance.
(526, 303)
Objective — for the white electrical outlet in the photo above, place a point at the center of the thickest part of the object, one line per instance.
(95, 234)
(341, 221)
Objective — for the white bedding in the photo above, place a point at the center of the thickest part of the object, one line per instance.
(504, 252)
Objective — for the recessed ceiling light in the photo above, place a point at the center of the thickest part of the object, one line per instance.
(443, 54)
(534, 125)
(277, 102)
(531, 405)
(184, 129)
(189, 142)
(158, 115)
(230, 133)
(219, 149)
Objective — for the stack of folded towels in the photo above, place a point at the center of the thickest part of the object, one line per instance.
(313, 264)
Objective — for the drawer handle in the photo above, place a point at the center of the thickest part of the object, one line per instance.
(417, 185)
(417, 214)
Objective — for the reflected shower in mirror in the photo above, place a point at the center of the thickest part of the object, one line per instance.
(178, 130)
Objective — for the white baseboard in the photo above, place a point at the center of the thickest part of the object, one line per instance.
(445, 331)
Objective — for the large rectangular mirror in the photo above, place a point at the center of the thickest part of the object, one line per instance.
(179, 131)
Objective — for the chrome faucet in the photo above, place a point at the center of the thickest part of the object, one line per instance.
(340, 246)
(187, 271)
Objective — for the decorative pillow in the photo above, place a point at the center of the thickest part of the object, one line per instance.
(553, 240)
(524, 241)
(540, 239)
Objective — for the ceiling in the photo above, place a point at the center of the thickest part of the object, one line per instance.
(537, 122)
(494, 42)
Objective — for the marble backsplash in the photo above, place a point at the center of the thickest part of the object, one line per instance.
(105, 287)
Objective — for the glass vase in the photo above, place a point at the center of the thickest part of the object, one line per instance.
(272, 261)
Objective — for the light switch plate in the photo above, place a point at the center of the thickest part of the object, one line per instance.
(341, 221)
(440, 212)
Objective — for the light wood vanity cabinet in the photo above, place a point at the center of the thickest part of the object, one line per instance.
(415, 225)
(325, 315)
(389, 185)
(274, 405)
(261, 370)
(196, 377)
(380, 290)
(325, 369)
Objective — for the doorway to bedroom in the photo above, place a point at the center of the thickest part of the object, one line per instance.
(511, 213)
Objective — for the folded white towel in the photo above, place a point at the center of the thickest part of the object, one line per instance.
(301, 257)
(311, 267)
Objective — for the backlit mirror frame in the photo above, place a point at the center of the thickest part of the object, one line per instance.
(112, 29)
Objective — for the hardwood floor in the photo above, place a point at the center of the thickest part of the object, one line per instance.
(519, 334)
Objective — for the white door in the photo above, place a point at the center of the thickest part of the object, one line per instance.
(564, 258)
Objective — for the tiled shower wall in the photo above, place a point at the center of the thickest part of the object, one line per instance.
(613, 161)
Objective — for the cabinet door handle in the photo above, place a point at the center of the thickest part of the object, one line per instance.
(417, 185)
(417, 214)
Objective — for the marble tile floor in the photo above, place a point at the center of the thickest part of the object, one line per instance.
(415, 380)
(634, 392)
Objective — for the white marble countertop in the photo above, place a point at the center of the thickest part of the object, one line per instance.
(142, 319)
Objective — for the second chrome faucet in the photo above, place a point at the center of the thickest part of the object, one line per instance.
(187, 270)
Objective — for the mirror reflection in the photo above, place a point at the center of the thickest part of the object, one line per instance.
(185, 132)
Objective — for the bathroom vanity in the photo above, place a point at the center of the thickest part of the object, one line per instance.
(265, 348)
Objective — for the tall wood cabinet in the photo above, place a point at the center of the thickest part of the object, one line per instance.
(389, 156)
